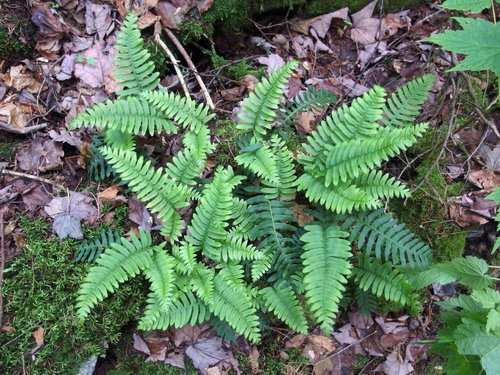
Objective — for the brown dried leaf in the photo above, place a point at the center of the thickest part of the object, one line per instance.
(484, 179)
(464, 217)
(108, 194)
(306, 122)
(98, 19)
(395, 366)
(320, 24)
(40, 155)
(365, 28)
(169, 14)
(302, 217)
(295, 342)
(38, 335)
(346, 335)
(20, 78)
(96, 69)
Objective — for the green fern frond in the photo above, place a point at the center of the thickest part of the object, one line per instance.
(260, 159)
(341, 198)
(89, 251)
(359, 156)
(161, 194)
(183, 110)
(236, 248)
(326, 267)
(185, 309)
(404, 105)
(207, 229)
(359, 120)
(282, 301)
(119, 139)
(382, 279)
(381, 185)
(185, 254)
(223, 330)
(161, 275)
(233, 274)
(234, 306)
(133, 68)
(260, 267)
(116, 265)
(366, 301)
(97, 167)
(284, 186)
(259, 108)
(380, 234)
(202, 282)
(312, 98)
(132, 115)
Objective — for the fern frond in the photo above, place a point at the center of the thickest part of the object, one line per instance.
(132, 115)
(97, 167)
(161, 194)
(185, 309)
(90, 250)
(202, 282)
(326, 267)
(341, 198)
(116, 265)
(181, 109)
(284, 186)
(223, 330)
(234, 306)
(366, 301)
(380, 234)
(404, 105)
(161, 275)
(359, 120)
(260, 267)
(381, 185)
(312, 98)
(133, 67)
(207, 229)
(260, 159)
(237, 248)
(382, 279)
(282, 301)
(119, 139)
(233, 274)
(186, 256)
(259, 108)
(359, 156)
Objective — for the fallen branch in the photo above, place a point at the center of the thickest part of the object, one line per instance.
(22, 131)
(184, 54)
(171, 57)
(32, 177)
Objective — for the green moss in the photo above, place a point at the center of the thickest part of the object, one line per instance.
(316, 7)
(226, 134)
(10, 45)
(40, 290)
(426, 212)
(7, 150)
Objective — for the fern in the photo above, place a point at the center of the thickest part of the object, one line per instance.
(185, 309)
(326, 267)
(116, 265)
(404, 105)
(89, 251)
(366, 301)
(381, 235)
(202, 282)
(312, 98)
(382, 279)
(97, 167)
(234, 306)
(162, 195)
(134, 69)
(282, 301)
(161, 274)
(259, 109)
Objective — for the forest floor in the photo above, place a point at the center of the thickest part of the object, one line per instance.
(57, 61)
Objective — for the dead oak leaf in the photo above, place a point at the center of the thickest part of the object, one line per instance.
(320, 24)
(484, 179)
(20, 78)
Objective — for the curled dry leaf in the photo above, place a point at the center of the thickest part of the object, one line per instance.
(395, 366)
(320, 24)
(484, 179)
(38, 335)
(19, 78)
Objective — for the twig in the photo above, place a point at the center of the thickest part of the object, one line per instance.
(22, 131)
(32, 177)
(171, 57)
(184, 54)
(477, 108)
(2, 266)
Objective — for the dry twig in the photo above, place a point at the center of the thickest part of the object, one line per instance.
(32, 177)
(2, 265)
(184, 54)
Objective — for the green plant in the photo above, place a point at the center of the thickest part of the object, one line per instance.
(241, 252)
(495, 196)
(470, 338)
(11, 45)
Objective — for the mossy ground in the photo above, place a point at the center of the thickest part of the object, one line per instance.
(426, 212)
(40, 290)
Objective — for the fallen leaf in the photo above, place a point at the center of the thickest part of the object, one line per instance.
(491, 156)
(464, 217)
(98, 19)
(295, 342)
(186, 335)
(254, 360)
(213, 371)
(206, 352)
(38, 335)
(8, 193)
(365, 28)
(306, 122)
(76, 204)
(394, 366)
(14, 115)
(36, 197)
(67, 67)
(302, 217)
(345, 335)
(108, 194)
(95, 67)
(321, 24)
(273, 62)
(147, 20)
(140, 345)
(169, 15)
(316, 346)
(485, 179)
(65, 136)
(40, 155)
(66, 226)
(139, 214)
(20, 78)
(176, 359)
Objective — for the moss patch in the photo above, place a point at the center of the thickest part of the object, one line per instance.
(40, 290)
(226, 134)
(426, 212)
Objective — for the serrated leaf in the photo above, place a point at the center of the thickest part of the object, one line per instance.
(473, 6)
(470, 271)
(479, 40)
